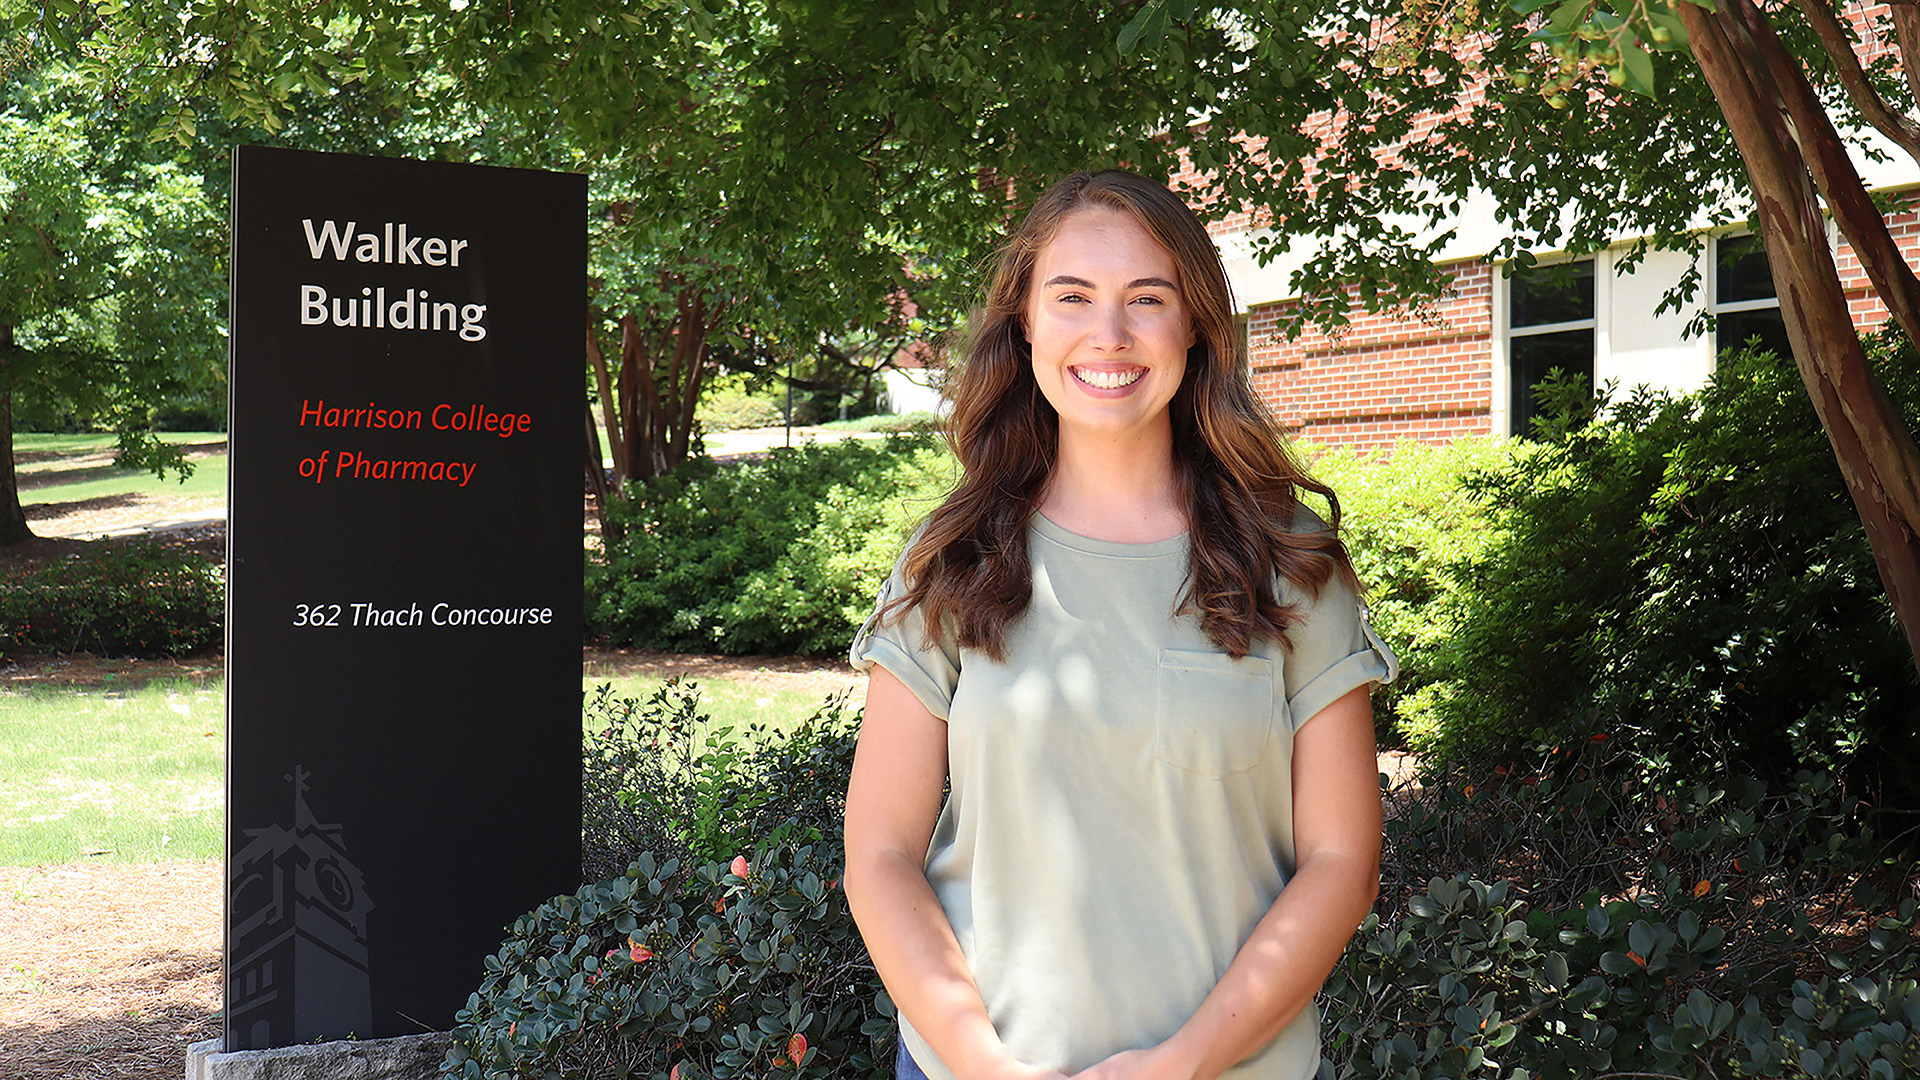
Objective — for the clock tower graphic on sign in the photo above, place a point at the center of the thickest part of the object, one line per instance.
(297, 933)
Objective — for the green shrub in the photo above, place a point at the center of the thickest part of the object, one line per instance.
(1408, 520)
(913, 421)
(1690, 575)
(729, 408)
(663, 974)
(660, 779)
(1632, 927)
(731, 968)
(136, 599)
(1720, 930)
(782, 554)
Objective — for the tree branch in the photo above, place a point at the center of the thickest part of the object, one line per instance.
(1906, 35)
(1838, 45)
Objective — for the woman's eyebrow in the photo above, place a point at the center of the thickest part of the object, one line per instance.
(1136, 283)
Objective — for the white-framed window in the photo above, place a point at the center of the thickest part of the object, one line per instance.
(1744, 304)
(1551, 326)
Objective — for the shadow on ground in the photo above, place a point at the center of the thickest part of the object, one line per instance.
(144, 1032)
(48, 510)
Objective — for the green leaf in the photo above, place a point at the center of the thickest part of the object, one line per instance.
(1568, 15)
(1640, 938)
(1638, 65)
(1556, 970)
(1700, 1006)
(1148, 26)
(1616, 963)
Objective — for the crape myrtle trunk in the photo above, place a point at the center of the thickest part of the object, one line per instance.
(1794, 160)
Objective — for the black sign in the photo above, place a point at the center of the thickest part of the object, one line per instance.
(403, 632)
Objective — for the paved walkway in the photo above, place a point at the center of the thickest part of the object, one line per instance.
(147, 528)
(726, 444)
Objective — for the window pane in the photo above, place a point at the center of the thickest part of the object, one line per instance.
(1743, 273)
(1553, 294)
(1733, 328)
(1533, 356)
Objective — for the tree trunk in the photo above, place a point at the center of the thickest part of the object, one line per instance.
(609, 407)
(1826, 347)
(610, 531)
(640, 411)
(13, 519)
(689, 364)
(657, 407)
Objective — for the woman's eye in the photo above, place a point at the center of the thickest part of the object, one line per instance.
(1151, 300)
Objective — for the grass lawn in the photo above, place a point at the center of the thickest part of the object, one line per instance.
(79, 473)
(130, 776)
(136, 775)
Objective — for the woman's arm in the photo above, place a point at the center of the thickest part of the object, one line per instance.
(893, 800)
(1336, 830)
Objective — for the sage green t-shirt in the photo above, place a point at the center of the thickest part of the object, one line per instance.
(1121, 811)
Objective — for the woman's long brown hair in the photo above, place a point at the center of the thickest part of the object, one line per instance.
(968, 569)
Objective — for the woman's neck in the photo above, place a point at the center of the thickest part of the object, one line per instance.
(1123, 491)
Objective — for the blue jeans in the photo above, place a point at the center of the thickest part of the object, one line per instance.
(904, 1067)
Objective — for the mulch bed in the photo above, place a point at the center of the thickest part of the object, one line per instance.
(110, 971)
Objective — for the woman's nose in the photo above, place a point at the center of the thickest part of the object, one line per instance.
(1110, 329)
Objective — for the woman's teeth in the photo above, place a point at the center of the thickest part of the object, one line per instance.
(1108, 380)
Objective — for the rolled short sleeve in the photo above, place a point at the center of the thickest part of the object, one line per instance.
(929, 668)
(1335, 649)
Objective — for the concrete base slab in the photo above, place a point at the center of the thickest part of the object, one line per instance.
(409, 1057)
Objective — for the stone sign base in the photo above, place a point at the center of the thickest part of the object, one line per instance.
(409, 1057)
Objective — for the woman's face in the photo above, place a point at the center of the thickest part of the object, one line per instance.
(1108, 326)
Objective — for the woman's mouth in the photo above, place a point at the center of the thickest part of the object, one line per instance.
(1107, 380)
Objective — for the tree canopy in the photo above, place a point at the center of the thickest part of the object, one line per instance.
(770, 179)
(111, 275)
(771, 174)
(1589, 121)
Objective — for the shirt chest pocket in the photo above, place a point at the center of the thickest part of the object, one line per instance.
(1213, 713)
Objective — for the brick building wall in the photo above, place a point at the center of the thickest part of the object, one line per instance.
(1865, 307)
(1394, 377)
(1384, 378)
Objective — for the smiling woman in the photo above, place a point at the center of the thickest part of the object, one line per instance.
(1138, 664)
